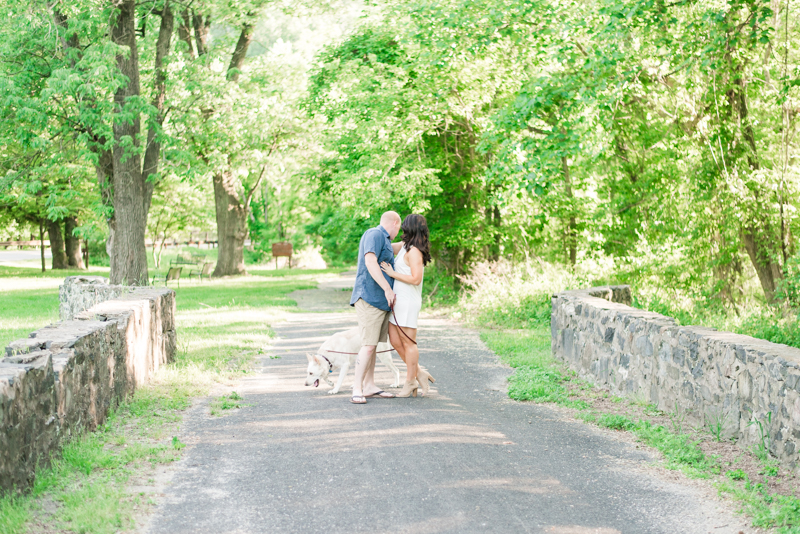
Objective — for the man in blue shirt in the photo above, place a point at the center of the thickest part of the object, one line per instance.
(373, 299)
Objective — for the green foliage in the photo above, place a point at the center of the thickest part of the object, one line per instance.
(789, 286)
(736, 474)
(339, 235)
(439, 288)
(402, 137)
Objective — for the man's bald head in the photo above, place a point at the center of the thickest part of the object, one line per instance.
(391, 223)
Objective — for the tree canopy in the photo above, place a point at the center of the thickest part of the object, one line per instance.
(658, 135)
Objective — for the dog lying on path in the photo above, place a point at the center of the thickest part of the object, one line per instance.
(323, 363)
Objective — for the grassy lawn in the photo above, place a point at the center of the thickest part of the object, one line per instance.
(222, 326)
(30, 299)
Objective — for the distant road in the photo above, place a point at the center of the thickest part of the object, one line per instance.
(7, 256)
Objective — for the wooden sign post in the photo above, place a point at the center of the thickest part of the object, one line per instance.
(282, 249)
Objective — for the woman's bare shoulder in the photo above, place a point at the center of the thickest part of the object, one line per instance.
(414, 252)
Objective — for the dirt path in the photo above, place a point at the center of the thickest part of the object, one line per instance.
(466, 459)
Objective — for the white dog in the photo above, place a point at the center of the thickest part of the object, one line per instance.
(329, 357)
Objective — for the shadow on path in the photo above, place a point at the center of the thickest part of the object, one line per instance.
(464, 460)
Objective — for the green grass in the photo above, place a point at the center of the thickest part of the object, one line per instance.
(244, 292)
(222, 325)
(22, 312)
(231, 401)
(14, 514)
(30, 300)
(537, 377)
(767, 510)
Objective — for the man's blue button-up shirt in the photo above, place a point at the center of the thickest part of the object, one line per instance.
(375, 240)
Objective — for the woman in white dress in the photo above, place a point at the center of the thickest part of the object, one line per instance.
(413, 253)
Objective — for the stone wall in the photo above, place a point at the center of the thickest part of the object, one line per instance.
(705, 374)
(65, 377)
(79, 293)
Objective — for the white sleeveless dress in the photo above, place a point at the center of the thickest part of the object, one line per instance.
(409, 297)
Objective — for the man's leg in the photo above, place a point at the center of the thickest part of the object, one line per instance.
(369, 376)
(364, 361)
(382, 324)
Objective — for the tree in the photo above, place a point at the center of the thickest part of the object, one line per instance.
(248, 115)
(133, 177)
(85, 91)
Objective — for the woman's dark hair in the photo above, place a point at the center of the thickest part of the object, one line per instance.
(415, 234)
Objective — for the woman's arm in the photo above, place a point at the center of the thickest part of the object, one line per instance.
(415, 262)
(396, 247)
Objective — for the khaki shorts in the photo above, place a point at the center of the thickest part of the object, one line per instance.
(373, 324)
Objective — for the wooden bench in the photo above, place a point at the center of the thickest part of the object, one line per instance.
(173, 275)
(205, 271)
(184, 260)
(282, 249)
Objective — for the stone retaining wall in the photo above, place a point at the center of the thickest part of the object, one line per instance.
(79, 293)
(707, 375)
(65, 377)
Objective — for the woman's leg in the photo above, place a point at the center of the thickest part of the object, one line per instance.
(396, 339)
(412, 353)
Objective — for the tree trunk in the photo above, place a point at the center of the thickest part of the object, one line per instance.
(128, 255)
(201, 29)
(231, 210)
(41, 242)
(72, 244)
(185, 33)
(757, 235)
(153, 151)
(104, 168)
(492, 217)
(572, 237)
(240, 52)
(761, 255)
(231, 226)
(59, 257)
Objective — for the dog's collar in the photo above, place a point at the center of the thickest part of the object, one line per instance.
(330, 365)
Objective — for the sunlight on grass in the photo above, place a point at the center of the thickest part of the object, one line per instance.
(22, 312)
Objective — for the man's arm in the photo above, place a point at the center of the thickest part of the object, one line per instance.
(371, 261)
(414, 262)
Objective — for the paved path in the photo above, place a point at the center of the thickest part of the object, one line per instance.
(466, 459)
